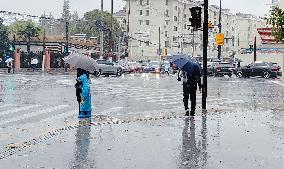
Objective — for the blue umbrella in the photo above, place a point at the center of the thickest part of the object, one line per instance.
(188, 65)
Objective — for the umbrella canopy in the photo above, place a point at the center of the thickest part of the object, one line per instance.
(188, 65)
(81, 61)
(9, 60)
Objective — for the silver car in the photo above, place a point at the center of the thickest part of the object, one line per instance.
(107, 68)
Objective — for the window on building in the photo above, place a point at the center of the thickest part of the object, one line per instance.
(147, 12)
(147, 43)
(167, 44)
(141, 12)
(175, 28)
(174, 39)
(166, 34)
(167, 22)
(176, 8)
(147, 22)
(184, 16)
(148, 2)
(167, 2)
(140, 22)
(141, 2)
(167, 13)
(185, 26)
(175, 18)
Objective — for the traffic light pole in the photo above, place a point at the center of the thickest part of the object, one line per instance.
(102, 33)
(254, 49)
(220, 30)
(160, 44)
(205, 44)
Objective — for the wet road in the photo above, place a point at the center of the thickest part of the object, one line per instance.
(139, 123)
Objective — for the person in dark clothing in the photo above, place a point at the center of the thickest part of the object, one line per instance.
(190, 82)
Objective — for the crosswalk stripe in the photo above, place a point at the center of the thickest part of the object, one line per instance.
(33, 114)
(18, 109)
(6, 105)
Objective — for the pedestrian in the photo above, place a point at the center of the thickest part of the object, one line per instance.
(83, 94)
(190, 82)
(9, 65)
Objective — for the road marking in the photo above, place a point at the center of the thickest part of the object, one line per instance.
(33, 114)
(111, 110)
(18, 109)
(278, 82)
(6, 105)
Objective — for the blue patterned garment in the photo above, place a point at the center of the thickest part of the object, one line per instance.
(86, 103)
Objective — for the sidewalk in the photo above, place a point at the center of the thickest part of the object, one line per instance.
(219, 139)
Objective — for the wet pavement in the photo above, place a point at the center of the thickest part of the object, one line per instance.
(139, 123)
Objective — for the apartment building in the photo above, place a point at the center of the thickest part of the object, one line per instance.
(278, 3)
(171, 17)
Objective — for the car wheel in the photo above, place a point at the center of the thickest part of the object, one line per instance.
(230, 75)
(119, 72)
(98, 73)
(239, 74)
(266, 75)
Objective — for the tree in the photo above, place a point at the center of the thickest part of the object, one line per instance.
(25, 30)
(276, 19)
(93, 22)
(4, 40)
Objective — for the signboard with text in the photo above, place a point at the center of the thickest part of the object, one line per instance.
(220, 39)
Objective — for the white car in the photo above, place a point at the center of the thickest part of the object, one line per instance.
(107, 68)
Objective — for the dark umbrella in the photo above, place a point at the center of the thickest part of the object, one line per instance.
(188, 65)
(81, 61)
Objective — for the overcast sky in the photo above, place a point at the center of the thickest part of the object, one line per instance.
(37, 7)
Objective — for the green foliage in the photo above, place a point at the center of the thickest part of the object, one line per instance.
(25, 29)
(4, 40)
(276, 19)
(87, 25)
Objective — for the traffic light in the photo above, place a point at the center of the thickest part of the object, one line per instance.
(210, 25)
(195, 19)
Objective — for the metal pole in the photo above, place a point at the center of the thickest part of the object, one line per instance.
(102, 33)
(254, 50)
(111, 30)
(193, 44)
(43, 51)
(205, 44)
(220, 30)
(67, 36)
(67, 43)
(119, 48)
(160, 43)
(127, 31)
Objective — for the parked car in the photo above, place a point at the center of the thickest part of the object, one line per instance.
(142, 66)
(166, 67)
(211, 68)
(223, 68)
(153, 66)
(107, 68)
(275, 67)
(262, 69)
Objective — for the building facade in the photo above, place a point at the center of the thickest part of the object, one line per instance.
(278, 3)
(171, 17)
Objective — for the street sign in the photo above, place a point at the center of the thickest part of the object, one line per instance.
(210, 25)
(220, 39)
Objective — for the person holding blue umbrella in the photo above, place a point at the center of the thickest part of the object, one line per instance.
(190, 72)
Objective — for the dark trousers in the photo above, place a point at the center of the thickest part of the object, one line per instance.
(189, 93)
